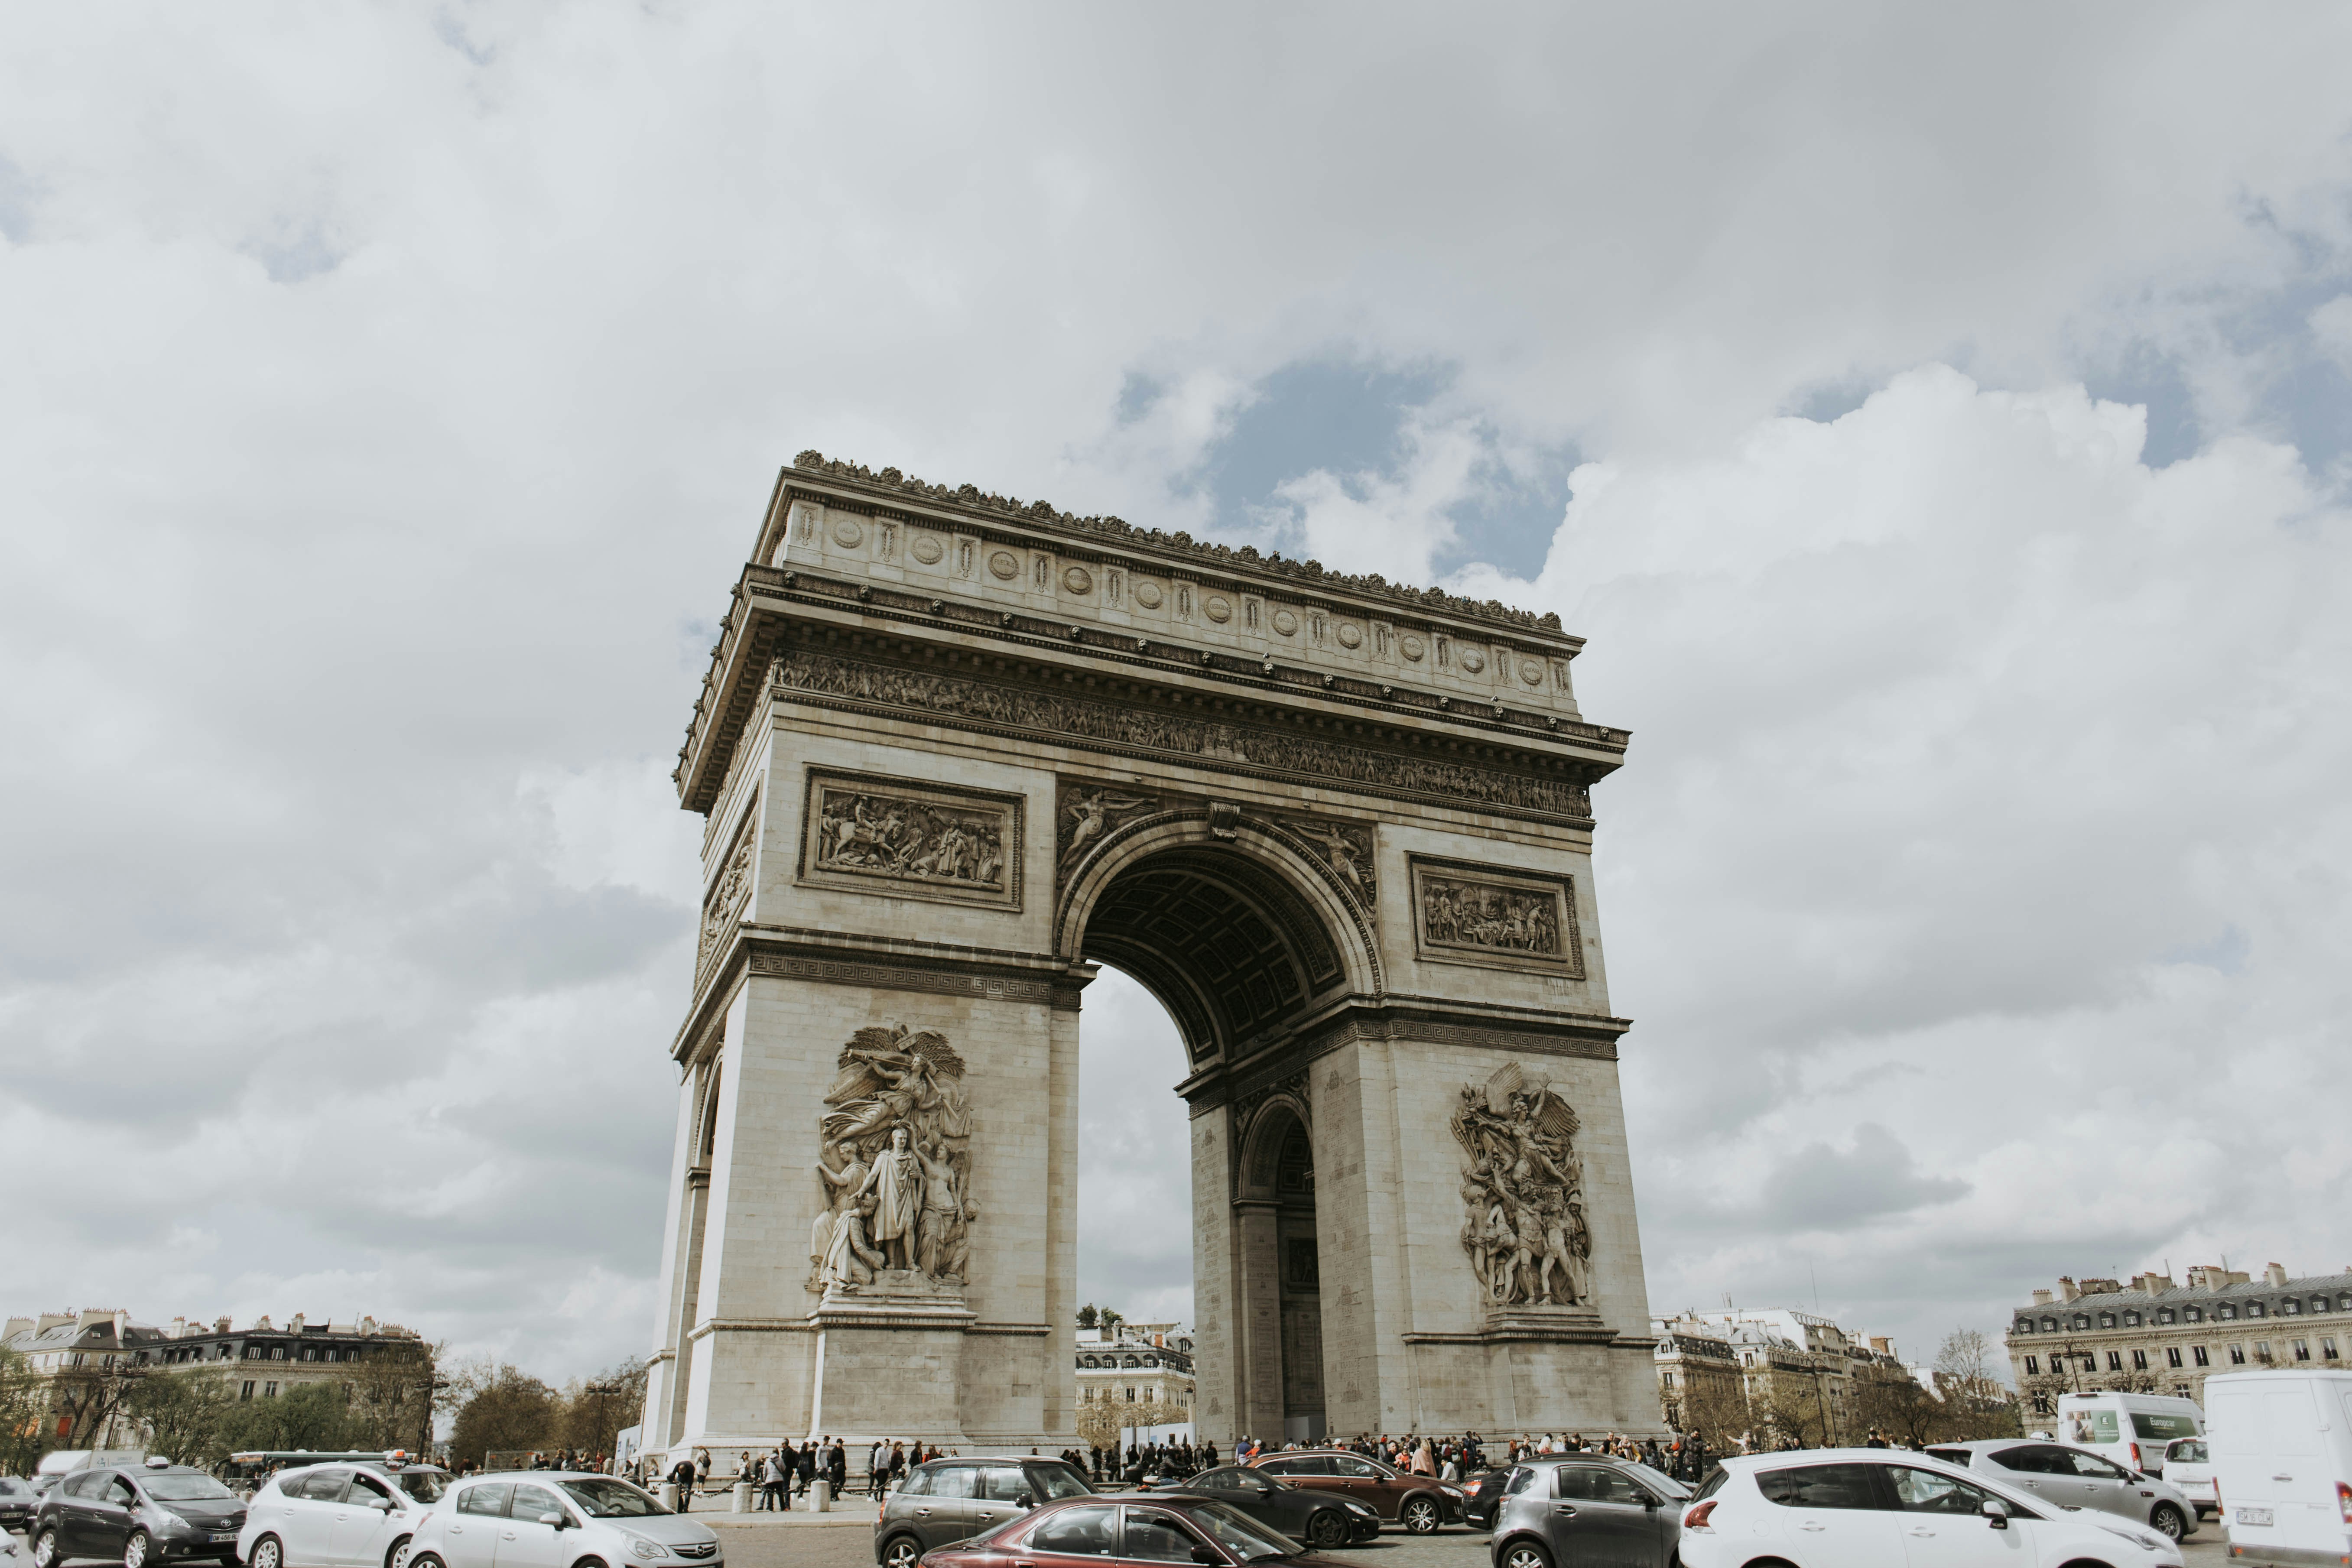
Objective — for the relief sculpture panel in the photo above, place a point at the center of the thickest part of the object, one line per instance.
(1523, 1192)
(911, 840)
(1465, 914)
(896, 1173)
(730, 891)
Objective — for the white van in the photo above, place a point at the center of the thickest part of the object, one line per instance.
(2132, 1429)
(2281, 1450)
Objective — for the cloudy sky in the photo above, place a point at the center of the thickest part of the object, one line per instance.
(1938, 419)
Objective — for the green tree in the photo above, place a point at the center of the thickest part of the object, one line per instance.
(595, 1411)
(182, 1415)
(314, 1415)
(509, 1411)
(392, 1388)
(1086, 1316)
(25, 1422)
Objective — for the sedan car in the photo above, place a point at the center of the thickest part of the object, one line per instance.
(1417, 1503)
(2189, 1470)
(1848, 1508)
(948, 1500)
(1149, 1531)
(1304, 1513)
(1587, 1507)
(137, 1517)
(18, 1500)
(557, 1519)
(2070, 1476)
(338, 1516)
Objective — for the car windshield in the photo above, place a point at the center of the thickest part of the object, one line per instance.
(1054, 1482)
(2188, 1451)
(425, 1486)
(2163, 1426)
(185, 1488)
(1658, 1481)
(603, 1498)
(11, 1487)
(1239, 1534)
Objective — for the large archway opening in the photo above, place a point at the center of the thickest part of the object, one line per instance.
(1221, 924)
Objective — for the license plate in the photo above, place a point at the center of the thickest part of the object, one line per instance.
(2259, 1516)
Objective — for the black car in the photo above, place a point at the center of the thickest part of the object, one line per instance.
(17, 1501)
(1486, 1489)
(138, 1517)
(1320, 1519)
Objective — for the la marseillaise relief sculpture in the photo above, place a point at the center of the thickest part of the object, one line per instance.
(955, 752)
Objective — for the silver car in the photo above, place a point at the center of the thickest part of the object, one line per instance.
(1570, 1508)
(2069, 1477)
(557, 1519)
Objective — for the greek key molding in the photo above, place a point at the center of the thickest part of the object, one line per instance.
(894, 977)
(1127, 730)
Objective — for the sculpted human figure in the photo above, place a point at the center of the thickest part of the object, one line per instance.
(897, 1183)
(849, 1262)
(840, 1195)
(941, 1205)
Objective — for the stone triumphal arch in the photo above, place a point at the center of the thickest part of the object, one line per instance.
(953, 753)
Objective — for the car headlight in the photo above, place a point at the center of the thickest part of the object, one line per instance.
(1364, 1510)
(1451, 1491)
(650, 1550)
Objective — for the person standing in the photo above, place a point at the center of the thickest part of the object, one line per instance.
(808, 1467)
(681, 1476)
(837, 1465)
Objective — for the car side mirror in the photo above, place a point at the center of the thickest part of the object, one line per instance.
(1022, 1500)
(554, 1519)
(384, 1505)
(1206, 1557)
(1649, 1501)
(1996, 1513)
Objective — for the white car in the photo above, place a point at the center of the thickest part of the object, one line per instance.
(1874, 1508)
(337, 1516)
(556, 1518)
(2189, 1470)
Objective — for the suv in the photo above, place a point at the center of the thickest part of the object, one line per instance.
(137, 1517)
(557, 1519)
(1419, 1503)
(948, 1500)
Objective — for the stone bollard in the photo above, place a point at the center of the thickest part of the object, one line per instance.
(742, 1497)
(821, 1497)
(669, 1496)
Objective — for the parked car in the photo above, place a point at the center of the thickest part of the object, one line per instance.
(17, 1501)
(1149, 1531)
(1859, 1508)
(556, 1518)
(1417, 1503)
(2189, 1470)
(1304, 1513)
(948, 1500)
(2132, 1429)
(59, 1463)
(153, 1514)
(339, 1516)
(2077, 1477)
(1587, 1507)
(2281, 1454)
(1482, 1495)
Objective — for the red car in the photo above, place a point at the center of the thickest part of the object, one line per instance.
(1148, 1532)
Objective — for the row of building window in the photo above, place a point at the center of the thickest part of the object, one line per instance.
(2291, 1306)
(2300, 1348)
(1092, 1396)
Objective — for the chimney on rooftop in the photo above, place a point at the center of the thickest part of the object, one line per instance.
(2275, 1274)
(220, 1324)
(16, 1326)
(2066, 1290)
(2041, 1297)
(294, 1324)
(52, 1320)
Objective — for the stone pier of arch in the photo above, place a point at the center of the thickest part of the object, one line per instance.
(953, 754)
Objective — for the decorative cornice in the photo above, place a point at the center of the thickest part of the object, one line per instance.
(889, 484)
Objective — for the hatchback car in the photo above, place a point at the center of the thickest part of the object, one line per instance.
(557, 1519)
(2189, 1470)
(1482, 1497)
(1152, 1532)
(1860, 1507)
(2077, 1477)
(138, 1517)
(1587, 1507)
(339, 1516)
(1417, 1503)
(1304, 1513)
(948, 1500)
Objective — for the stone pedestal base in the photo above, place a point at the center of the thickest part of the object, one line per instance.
(898, 1298)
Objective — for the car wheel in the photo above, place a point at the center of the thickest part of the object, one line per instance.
(1526, 1554)
(136, 1549)
(2166, 1520)
(266, 1553)
(421, 1560)
(902, 1553)
(1326, 1529)
(45, 1549)
(1421, 1516)
(590, 1563)
(398, 1556)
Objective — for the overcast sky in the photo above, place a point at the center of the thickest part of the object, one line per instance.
(1937, 417)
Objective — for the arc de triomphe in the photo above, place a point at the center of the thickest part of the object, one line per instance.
(955, 750)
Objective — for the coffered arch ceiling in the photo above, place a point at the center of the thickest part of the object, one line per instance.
(1228, 946)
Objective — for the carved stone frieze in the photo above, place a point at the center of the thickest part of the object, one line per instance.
(1085, 812)
(1346, 847)
(911, 840)
(896, 1170)
(1524, 1225)
(732, 890)
(1466, 914)
(1056, 718)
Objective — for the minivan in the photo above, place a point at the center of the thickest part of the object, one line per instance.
(2280, 1444)
(2132, 1429)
